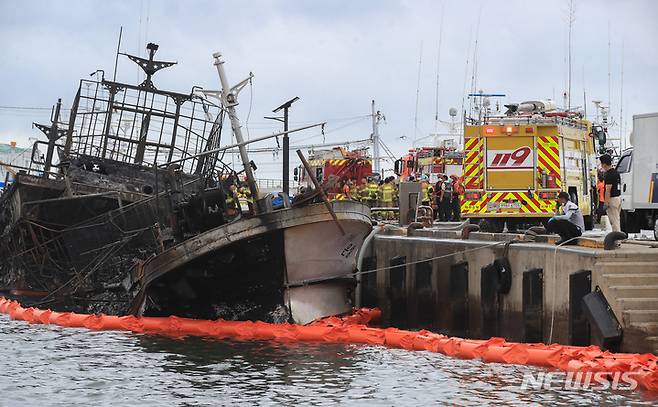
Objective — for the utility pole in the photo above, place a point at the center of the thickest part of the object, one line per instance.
(286, 142)
(230, 100)
(377, 116)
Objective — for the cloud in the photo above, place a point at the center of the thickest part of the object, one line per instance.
(335, 55)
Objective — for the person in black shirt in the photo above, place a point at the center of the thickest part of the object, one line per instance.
(612, 199)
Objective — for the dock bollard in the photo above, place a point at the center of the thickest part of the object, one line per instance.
(466, 232)
(611, 239)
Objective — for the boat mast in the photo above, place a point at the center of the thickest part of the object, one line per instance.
(230, 100)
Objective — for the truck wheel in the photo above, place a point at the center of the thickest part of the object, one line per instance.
(492, 225)
(655, 229)
(589, 222)
(629, 222)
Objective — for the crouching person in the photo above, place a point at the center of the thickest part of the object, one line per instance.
(570, 223)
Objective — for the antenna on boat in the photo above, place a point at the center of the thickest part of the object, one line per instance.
(584, 95)
(622, 138)
(54, 133)
(229, 97)
(116, 60)
(474, 75)
(438, 65)
(420, 64)
(609, 69)
(468, 53)
(150, 66)
(572, 18)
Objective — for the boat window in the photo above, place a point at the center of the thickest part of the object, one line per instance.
(624, 164)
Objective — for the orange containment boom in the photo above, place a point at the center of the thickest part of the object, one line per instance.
(354, 329)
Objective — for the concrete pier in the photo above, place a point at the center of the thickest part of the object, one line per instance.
(433, 279)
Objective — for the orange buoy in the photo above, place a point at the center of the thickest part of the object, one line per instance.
(354, 329)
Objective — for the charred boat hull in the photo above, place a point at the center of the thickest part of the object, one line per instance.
(293, 264)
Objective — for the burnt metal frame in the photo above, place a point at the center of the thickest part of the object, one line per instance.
(96, 125)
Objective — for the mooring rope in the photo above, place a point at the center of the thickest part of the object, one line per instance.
(410, 263)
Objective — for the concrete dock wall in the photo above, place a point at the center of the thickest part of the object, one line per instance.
(437, 281)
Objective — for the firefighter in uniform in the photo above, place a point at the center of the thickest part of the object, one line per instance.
(344, 191)
(387, 196)
(457, 193)
(232, 201)
(380, 193)
(362, 191)
(396, 194)
(373, 193)
(425, 187)
(245, 199)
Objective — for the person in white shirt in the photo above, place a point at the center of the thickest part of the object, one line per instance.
(570, 223)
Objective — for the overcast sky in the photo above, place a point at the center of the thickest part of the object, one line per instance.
(336, 56)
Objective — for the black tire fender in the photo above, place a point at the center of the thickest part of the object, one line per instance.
(504, 275)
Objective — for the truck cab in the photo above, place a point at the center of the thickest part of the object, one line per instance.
(626, 174)
(638, 170)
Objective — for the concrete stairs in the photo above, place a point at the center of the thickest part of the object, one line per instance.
(631, 288)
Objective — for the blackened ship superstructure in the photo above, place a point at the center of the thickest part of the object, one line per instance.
(127, 212)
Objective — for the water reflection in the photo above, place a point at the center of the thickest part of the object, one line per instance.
(259, 370)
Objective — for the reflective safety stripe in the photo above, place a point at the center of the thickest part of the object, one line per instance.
(548, 157)
(527, 204)
(373, 191)
(473, 163)
(426, 191)
(244, 204)
(387, 193)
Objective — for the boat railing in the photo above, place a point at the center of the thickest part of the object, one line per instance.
(145, 126)
(274, 184)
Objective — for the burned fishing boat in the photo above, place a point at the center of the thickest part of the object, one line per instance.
(133, 210)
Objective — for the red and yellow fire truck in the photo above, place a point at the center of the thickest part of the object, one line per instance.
(430, 161)
(515, 165)
(334, 167)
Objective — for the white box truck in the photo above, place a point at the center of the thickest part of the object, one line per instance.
(638, 169)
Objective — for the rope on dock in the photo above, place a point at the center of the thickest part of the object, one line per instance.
(410, 263)
(643, 369)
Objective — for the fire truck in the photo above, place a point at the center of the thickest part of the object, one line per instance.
(516, 164)
(334, 167)
(430, 161)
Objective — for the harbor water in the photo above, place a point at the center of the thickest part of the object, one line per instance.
(46, 365)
